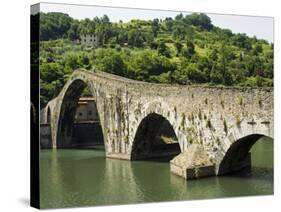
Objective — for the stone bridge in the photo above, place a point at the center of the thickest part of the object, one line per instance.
(210, 128)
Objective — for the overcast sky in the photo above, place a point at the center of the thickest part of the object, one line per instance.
(261, 27)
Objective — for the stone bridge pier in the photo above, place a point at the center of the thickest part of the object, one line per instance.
(205, 130)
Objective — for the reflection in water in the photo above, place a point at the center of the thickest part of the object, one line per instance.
(86, 177)
(118, 184)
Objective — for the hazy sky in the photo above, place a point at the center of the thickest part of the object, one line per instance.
(262, 27)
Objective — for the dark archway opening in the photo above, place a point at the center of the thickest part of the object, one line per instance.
(246, 153)
(155, 139)
(79, 122)
(48, 116)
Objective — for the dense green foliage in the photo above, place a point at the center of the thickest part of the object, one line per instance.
(184, 50)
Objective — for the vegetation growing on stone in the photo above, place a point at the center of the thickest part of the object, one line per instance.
(238, 121)
(225, 128)
(218, 141)
(205, 117)
(183, 120)
(222, 104)
(190, 140)
(206, 101)
(126, 140)
(260, 102)
(175, 110)
(240, 101)
(192, 118)
(209, 124)
(200, 114)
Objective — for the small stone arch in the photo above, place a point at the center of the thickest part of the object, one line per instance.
(155, 137)
(236, 147)
(159, 107)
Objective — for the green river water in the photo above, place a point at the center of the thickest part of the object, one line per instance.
(77, 177)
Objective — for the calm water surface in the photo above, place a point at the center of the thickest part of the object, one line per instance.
(71, 178)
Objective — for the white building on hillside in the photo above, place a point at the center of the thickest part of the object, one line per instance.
(89, 40)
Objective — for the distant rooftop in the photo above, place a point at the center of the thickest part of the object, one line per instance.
(85, 100)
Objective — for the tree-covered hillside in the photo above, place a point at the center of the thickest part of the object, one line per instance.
(185, 50)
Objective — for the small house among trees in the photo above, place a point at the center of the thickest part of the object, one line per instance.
(89, 40)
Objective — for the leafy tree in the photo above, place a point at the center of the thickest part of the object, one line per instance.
(214, 55)
(73, 32)
(54, 25)
(122, 36)
(190, 47)
(70, 61)
(135, 38)
(189, 51)
(257, 82)
(179, 17)
(51, 81)
(228, 78)
(109, 60)
(178, 31)
(201, 20)
(163, 49)
(104, 30)
(257, 49)
(205, 65)
(155, 27)
(216, 76)
(146, 63)
(105, 19)
(50, 72)
(242, 41)
(168, 23)
(87, 26)
(74, 60)
(178, 47)
(165, 77)
(223, 59)
(153, 45)
(194, 74)
(189, 33)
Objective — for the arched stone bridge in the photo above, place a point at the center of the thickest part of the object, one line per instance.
(215, 126)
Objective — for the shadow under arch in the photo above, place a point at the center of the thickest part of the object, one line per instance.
(155, 139)
(67, 113)
(48, 118)
(238, 155)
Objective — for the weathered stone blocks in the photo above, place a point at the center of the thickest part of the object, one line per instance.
(206, 120)
(194, 162)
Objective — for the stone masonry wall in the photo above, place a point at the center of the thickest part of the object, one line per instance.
(214, 117)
